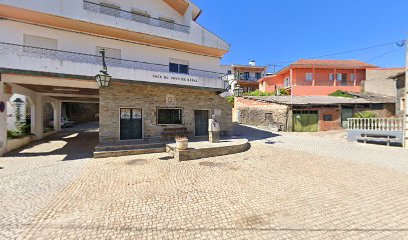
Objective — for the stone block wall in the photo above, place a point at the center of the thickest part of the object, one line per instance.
(260, 114)
(334, 124)
(148, 98)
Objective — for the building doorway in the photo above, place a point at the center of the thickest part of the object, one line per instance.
(306, 121)
(131, 124)
(201, 118)
(346, 113)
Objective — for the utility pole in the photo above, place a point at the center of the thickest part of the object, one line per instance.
(405, 143)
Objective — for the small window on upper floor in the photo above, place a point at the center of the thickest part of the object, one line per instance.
(178, 66)
(110, 52)
(352, 77)
(109, 9)
(402, 104)
(246, 75)
(258, 75)
(40, 45)
(140, 16)
(341, 77)
(167, 23)
(309, 76)
(229, 72)
(40, 42)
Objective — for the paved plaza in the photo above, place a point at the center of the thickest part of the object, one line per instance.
(287, 186)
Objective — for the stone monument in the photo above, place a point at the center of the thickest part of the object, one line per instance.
(213, 130)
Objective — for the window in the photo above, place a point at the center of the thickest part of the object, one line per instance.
(327, 117)
(246, 75)
(169, 116)
(40, 42)
(110, 9)
(341, 77)
(141, 16)
(178, 66)
(352, 77)
(258, 75)
(268, 117)
(167, 23)
(110, 52)
(229, 72)
(402, 104)
(286, 82)
(331, 76)
(309, 76)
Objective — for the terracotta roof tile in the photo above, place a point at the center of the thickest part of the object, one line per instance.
(332, 63)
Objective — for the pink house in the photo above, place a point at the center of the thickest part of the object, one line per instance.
(308, 77)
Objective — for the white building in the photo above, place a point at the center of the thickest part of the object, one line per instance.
(246, 76)
(49, 52)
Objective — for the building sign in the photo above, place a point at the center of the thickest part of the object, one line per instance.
(171, 100)
(217, 112)
(178, 79)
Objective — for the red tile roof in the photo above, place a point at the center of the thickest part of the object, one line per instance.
(332, 63)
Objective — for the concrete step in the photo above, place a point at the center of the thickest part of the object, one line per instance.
(127, 146)
(130, 151)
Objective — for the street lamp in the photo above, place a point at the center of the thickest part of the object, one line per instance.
(103, 78)
(238, 91)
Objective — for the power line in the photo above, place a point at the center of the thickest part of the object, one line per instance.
(382, 55)
(399, 43)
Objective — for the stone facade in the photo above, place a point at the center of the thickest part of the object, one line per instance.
(260, 114)
(149, 98)
(378, 81)
(400, 95)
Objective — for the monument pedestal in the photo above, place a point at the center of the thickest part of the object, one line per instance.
(214, 137)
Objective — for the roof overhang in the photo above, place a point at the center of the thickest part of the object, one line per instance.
(73, 25)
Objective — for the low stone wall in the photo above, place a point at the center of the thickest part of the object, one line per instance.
(204, 150)
(13, 144)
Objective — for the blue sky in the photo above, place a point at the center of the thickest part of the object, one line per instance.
(272, 31)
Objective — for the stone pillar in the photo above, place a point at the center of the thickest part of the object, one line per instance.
(57, 115)
(5, 94)
(38, 116)
(213, 130)
(214, 137)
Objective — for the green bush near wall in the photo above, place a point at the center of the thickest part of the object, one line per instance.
(340, 93)
(364, 114)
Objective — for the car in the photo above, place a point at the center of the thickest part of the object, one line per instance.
(65, 123)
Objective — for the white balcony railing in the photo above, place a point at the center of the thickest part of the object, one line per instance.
(376, 124)
(117, 12)
(23, 57)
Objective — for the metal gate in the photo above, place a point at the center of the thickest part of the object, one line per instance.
(306, 121)
(346, 113)
(130, 124)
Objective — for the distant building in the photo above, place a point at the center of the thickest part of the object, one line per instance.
(308, 77)
(309, 113)
(246, 76)
(399, 79)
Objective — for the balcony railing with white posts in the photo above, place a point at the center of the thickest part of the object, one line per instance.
(376, 124)
(24, 57)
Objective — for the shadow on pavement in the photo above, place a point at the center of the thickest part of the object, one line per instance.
(251, 133)
(74, 145)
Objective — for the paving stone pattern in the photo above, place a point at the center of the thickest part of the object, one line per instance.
(267, 192)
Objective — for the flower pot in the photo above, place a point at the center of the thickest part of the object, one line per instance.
(182, 144)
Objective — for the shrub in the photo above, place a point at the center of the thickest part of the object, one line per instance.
(258, 93)
(283, 92)
(364, 114)
(340, 93)
(230, 100)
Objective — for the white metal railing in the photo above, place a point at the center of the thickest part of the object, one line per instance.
(376, 124)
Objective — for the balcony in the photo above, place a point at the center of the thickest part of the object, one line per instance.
(117, 12)
(29, 58)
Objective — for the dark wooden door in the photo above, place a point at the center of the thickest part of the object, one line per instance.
(130, 123)
(201, 122)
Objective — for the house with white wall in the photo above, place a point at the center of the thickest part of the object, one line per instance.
(165, 66)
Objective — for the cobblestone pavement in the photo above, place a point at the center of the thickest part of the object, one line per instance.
(31, 178)
(264, 193)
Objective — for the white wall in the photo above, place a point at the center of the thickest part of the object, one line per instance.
(11, 117)
(80, 43)
(74, 9)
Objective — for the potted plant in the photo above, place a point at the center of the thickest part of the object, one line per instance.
(181, 143)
